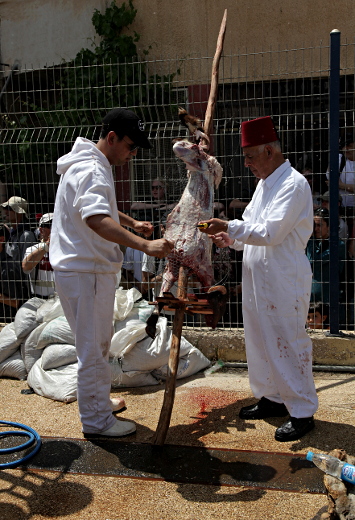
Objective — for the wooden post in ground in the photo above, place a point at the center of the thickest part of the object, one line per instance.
(169, 395)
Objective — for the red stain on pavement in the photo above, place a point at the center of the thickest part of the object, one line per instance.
(211, 399)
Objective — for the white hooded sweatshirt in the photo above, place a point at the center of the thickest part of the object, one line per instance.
(86, 188)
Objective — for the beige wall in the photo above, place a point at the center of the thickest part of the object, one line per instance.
(39, 32)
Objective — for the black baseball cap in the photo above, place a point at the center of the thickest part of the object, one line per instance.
(122, 120)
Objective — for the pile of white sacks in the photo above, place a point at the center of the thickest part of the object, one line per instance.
(39, 346)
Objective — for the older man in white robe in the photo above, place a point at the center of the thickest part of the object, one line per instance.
(277, 277)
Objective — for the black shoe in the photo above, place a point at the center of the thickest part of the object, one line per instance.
(263, 409)
(294, 429)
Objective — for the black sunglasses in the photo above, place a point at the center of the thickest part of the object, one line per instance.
(132, 147)
(46, 226)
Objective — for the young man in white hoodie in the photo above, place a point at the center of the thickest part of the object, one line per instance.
(85, 255)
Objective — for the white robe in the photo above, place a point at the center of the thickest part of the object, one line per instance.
(277, 278)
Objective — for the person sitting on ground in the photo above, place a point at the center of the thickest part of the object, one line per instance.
(11, 290)
(343, 228)
(21, 236)
(318, 316)
(36, 261)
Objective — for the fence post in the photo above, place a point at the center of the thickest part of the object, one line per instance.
(334, 94)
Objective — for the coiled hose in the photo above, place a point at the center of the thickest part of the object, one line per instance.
(25, 431)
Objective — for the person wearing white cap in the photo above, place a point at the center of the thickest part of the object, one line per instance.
(21, 236)
(36, 261)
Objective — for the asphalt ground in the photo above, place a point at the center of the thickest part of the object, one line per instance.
(212, 465)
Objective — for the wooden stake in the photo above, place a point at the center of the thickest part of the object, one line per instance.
(169, 395)
(208, 125)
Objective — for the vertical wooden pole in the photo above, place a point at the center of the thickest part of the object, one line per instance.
(169, 395)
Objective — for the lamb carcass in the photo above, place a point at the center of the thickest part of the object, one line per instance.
(192, 249)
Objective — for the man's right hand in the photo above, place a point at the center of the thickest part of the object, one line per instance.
(160, 248)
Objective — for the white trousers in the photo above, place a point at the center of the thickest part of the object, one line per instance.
(87, 300)
(279, 350)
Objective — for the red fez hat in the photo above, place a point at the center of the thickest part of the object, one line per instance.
(258, 131)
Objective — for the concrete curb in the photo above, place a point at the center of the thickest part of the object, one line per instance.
(229, 346)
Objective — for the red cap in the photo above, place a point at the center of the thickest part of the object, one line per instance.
(258, 131)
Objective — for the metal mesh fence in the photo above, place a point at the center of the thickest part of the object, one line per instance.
(43, 111)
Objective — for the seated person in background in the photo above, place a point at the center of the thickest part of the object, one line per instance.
(36, 261)
(343, 228)
(132, 269)
(318, 316)
(318, 255)
(159, 200)
(11, 283)
(21, 236)
(155, 209)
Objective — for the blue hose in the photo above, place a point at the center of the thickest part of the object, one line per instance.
(33, 437)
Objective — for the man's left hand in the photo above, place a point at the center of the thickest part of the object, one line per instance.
(146, 228)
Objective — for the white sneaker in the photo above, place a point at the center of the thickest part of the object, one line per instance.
(119, 429)
(117, 404)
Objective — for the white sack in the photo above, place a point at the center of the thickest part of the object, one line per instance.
(149, 354)
(124, 301)
(57, 355)
(9, 342)
(50, 310)
(56, 331)
(193, 362)
(25, 319)
(59, 384)
(13, 367)
(128, 332)
(135, 378)
(29, 351)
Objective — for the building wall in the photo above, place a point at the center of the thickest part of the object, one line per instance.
(45, 32)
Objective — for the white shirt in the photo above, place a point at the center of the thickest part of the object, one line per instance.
(347, 176)
(42, 275)
(280, 215)
(133, 262)
(86, 188)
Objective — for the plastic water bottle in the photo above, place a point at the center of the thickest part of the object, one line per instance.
(217, 366)
(333, 466)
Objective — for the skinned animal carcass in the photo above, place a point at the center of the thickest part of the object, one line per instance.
(192, 249)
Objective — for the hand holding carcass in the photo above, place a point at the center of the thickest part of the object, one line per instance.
(160, 248)
(214, 225)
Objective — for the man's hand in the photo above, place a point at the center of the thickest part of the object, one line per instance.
(221, 239)
(215, 225)
(159, 248)
(145, 228)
